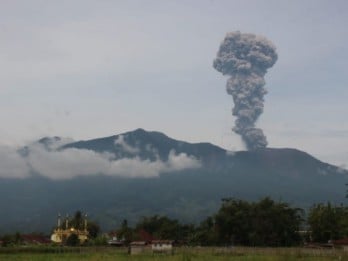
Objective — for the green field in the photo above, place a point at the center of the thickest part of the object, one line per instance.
(181, 254)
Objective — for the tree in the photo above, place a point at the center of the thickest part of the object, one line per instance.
(162, 227)
(125, 233)
(72, 240)
(206, 234)
(328, 222)
(11, 239)
(93, 229)
(263, 223)
(6, 240)
(77, 221)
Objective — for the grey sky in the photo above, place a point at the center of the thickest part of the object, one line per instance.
(86, 69)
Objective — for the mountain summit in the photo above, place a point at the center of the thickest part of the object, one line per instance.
(147, 143)
(153, 145)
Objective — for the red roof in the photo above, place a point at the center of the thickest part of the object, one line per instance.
(112, 234)
(145, 236)
(342, 241)
(35, 239)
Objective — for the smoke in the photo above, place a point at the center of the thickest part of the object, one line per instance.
(246, 58)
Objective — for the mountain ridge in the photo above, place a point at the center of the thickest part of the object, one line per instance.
(205, 151)
(188, 194)
(162, 143)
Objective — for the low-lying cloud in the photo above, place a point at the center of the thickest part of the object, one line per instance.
(12, 164)
(72, 162)
(125, 146)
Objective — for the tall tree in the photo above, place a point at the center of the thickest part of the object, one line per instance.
(161, 227)
(263, 223)
(328, 222)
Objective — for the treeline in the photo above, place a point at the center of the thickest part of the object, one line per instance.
(262, 223)
(328, 222)
(237, 222)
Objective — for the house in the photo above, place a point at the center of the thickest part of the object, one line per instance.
(143, 235)
(341, 243)
(35, 240)
(137, 247)
(114, 240)
(162, 246)
(148, 243)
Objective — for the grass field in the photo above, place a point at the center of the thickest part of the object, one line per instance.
(181, 254)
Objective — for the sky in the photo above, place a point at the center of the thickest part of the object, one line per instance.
(86, 69)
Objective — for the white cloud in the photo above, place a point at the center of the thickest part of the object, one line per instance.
(230, 152)
(12, 164)
(177, 162)
(72, 162)
(126, 147)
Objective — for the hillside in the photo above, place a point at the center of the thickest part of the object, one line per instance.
(189, 186)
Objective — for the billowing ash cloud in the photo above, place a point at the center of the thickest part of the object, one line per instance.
(72, 162)
(246, 58)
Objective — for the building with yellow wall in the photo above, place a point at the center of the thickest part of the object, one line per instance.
(60, 235)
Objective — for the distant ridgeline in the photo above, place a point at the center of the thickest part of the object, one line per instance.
(141, 173)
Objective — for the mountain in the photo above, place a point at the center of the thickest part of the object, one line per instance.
(175, 178)
(148, 144)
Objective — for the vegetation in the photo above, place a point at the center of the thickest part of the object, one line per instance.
(246, 174)
(10, 240)
(181, 254)
(264, 223)
(328, 222)
(165, 228)
(72, 240)
(238, 222)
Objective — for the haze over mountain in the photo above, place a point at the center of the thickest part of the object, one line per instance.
(141, 173)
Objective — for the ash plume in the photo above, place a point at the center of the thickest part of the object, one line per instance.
(245, 58)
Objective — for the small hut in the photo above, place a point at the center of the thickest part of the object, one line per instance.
(341, 243)
(114, 240)
(162, 246)
(137, 247)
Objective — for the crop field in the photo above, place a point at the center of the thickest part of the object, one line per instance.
(180, 254)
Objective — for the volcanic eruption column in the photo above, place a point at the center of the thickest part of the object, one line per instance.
(246, 58)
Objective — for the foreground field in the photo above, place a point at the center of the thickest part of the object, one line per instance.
(181, 254)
